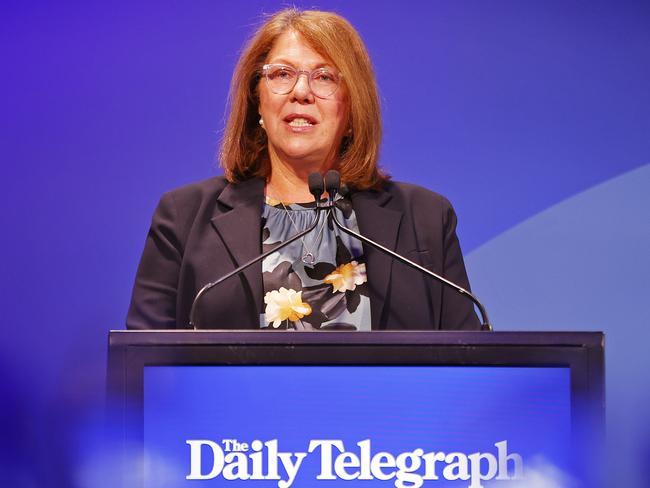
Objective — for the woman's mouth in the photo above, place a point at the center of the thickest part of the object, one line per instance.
(300, 122)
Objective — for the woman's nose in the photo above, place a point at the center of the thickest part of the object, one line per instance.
(301, 91)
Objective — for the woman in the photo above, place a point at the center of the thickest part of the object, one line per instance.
(303, 100)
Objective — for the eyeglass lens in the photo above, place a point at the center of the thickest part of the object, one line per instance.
(282, 79)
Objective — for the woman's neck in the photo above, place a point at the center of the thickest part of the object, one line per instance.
(289, 184)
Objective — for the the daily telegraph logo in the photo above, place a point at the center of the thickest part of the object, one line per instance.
(231, 459)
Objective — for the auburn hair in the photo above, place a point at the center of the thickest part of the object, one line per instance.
(243, 153)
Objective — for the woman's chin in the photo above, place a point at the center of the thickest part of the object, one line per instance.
(304, 156)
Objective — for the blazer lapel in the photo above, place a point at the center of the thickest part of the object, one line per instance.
(238, 221)
(380, 224)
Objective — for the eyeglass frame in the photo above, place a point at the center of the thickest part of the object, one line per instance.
(299, 72)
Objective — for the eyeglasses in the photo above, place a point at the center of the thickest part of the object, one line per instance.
(281, 79)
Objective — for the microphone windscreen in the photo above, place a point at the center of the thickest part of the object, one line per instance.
(332, 182)
(316, 185)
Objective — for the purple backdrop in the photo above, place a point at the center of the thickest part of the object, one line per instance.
(508, 108)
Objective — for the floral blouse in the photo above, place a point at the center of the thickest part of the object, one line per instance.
(319, 281)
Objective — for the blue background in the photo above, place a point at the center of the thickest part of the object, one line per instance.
(437, 409)
(533, 118)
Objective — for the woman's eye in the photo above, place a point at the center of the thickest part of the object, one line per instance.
(282, 74)
(325, 76)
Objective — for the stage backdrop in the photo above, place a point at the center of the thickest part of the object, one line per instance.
(533, 118)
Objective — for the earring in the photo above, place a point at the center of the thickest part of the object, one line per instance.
(261, 122)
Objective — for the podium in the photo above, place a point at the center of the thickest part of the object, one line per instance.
(398, 408)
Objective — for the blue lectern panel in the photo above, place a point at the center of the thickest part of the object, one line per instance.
(403, 426)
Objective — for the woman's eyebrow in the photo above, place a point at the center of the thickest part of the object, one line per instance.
(323, 64)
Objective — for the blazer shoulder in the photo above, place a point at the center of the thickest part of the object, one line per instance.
(416, 196)
(178, 210)
(198, 192)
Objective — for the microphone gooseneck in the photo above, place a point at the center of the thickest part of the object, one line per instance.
(332, 185)
(315, 181)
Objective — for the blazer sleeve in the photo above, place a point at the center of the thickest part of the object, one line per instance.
(153, 302)
(457, 310)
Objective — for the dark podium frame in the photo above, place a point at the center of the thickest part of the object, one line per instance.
(131, 351)
(582, 352)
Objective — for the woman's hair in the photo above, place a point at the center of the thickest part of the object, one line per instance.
(244, 153)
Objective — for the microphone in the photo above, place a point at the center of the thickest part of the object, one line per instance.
(316, 188)
(333, 185)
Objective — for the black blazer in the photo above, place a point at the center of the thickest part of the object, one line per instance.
(201, 231)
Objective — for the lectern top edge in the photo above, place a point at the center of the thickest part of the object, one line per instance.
(119, 338)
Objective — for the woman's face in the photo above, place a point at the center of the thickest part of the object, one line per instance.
(302, 130)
